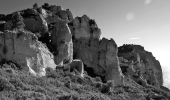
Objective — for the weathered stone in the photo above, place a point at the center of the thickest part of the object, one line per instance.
(58, 37)
(78, 65)
(84, 27)
(109, 60)
(144, 64)
(54, 9)
(15, 22)
(99, 56)
(65, 15)
(34, 21)
(61, 41)
(23, 48)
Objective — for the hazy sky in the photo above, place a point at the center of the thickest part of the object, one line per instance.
(145, 22)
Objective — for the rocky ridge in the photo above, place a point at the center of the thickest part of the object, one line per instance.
(48, 44)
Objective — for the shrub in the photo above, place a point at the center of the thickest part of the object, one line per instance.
(106, 88)
(50, 73)
(5, 85)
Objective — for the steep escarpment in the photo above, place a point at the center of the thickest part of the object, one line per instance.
(98, 55)
(47, 54)
(137, 62)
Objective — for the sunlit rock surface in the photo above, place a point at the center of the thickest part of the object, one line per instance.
(24, 49)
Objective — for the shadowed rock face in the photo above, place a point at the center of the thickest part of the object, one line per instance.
(34, 21)
(23, 48)
(61, 41)
(100, 56)
(143, 64)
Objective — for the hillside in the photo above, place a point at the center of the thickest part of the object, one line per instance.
(47, 54)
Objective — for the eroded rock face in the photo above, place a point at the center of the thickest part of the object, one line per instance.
(61, 41)
(141, 63)
(84, 27)
(34, 21)
(54, 31)
(57, 10)
(23, 48)
(109, 59)
(99, 56)
(49, 25)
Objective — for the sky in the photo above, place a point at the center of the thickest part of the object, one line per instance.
(144, 22)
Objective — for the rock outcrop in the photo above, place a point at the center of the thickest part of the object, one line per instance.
(58, 30)
(57, 10)
(34, 21)
(59, 37)
(99, 56)
(139, 63)
(61, 42)
(48, 28)
(76, 64)
(24, 49)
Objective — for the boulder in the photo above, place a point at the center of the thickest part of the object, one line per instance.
(23, 48)
(78, 65)
(144, 64)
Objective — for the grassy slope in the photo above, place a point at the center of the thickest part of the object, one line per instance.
(16, 84)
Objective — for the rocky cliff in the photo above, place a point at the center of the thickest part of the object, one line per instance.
(99, 55)
(47, 54)
(137, 62)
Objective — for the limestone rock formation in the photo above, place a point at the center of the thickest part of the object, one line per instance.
(34, 21)
(108, 58)
(99, 56)
(140, 63)
(58, 38)
(23, 48)
(56, 28)
(49, 25)
(61, 42)
(84, 27)
(57, 10)
(75, 62)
